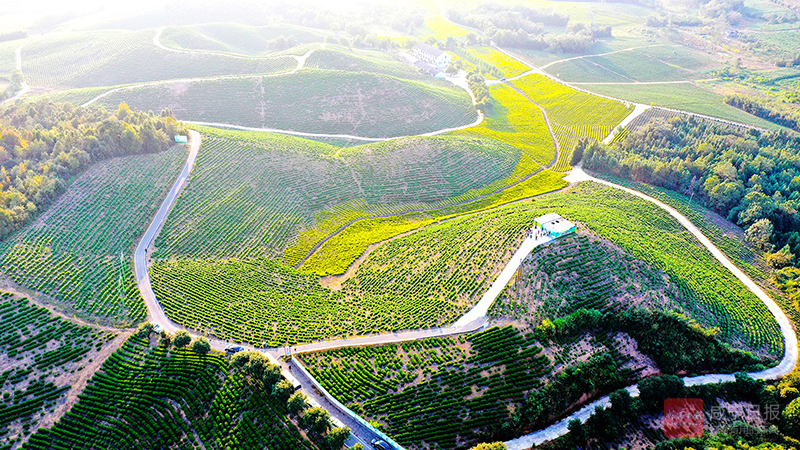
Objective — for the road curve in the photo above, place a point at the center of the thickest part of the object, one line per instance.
(786, 365)
(140, 254)
(25, 86)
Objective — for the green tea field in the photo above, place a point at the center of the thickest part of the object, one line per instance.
(312, 101)
(44, 357)
(110, 58)
(147, 394)
(78, 253)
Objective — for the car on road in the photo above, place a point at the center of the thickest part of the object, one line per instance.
(380, 445)
(233, 349)
(156, 327)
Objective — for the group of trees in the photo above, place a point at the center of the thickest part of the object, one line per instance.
(14, 85)
(609, 425)
(750, 177)
(477, 84)
(765, 109)
(524, 27)
(180, 339)
(598, 374)
(316, 420)
(673, 341)
(43, 144)
(258, 368)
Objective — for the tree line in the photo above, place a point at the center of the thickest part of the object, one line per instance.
(524, 27)
(750, 177)
(44, 144)
(763, 108)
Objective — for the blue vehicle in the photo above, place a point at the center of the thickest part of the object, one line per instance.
(233, 349)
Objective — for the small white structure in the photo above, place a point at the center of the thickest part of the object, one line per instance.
(432, 55)
(555, 225)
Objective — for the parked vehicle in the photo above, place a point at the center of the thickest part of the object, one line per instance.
(233, 349)
(380, 445)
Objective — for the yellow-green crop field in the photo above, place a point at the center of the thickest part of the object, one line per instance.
(507, 65)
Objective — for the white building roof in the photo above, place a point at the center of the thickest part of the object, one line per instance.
(435, 52)
(554, 223)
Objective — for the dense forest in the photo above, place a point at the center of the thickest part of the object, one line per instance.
(750, 177)
(44, 144)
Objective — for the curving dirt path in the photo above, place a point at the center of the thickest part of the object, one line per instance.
(598, 54)
(25, 87)
(301, 60)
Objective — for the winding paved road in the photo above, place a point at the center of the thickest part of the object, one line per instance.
(475, 318)
(786, 365)
(140, 254)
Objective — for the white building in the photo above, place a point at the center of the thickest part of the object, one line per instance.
(432, 55)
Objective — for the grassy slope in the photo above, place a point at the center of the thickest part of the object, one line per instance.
(252, 193)
(687, 97)
(78, 252)
(110, 58)
(315, 101)
(651, 63)
(336, 57)
(147, 397)
(516, 121)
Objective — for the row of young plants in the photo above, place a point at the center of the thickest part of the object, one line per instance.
(163, 393)
(491, 60)
(42, 355)
(425, 279)
(462, 390)
(111, 58)
(433, 276)
(79, 251)
(236, 38)
(443, 392)
(573, 114)
(335, 57)
(254, 195)
(516, 121)
(583, 271)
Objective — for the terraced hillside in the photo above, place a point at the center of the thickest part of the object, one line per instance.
(454, 392)
(252, 193)
(237, 38)
(110, 58)
(336, 57)
(78, 252)
(44, 360)
(312, 101)
(148, 394)
(429, 278)
(573, 114)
